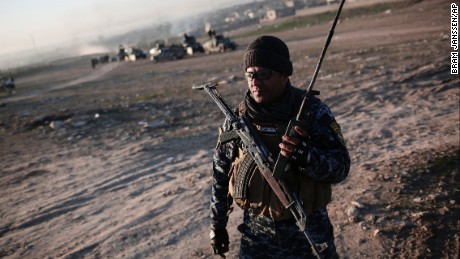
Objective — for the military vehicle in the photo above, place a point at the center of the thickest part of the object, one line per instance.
(133, 54)
(121, 55)
(164, 52)
(219, 43)
(191, 45)
(7, 84)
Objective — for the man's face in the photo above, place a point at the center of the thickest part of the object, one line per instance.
(266, 85)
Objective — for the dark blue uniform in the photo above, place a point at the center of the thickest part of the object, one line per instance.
(264, 237)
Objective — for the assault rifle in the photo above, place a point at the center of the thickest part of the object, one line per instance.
(253, 145)
(282, 161)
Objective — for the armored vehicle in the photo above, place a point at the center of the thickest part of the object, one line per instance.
(191, 45)
(164, 52)
(133, 54)
(219, 43)
(7, 84)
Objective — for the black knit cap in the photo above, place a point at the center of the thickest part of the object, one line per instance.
(269, 52)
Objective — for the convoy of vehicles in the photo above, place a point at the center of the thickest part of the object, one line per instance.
(166, 52)
(190, 46)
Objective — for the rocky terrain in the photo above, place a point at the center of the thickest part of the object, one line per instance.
(115, 162)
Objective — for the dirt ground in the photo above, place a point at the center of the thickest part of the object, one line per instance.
(115, 162)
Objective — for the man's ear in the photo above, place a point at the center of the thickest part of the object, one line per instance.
(284, 77)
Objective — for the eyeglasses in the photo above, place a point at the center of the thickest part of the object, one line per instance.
(259, 75)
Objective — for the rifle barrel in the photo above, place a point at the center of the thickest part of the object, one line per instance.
(320, 61)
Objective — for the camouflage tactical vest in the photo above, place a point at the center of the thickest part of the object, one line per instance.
(250, 190)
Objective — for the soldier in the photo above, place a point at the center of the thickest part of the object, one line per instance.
(318, 159)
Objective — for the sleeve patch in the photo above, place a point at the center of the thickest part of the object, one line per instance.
(338, 132)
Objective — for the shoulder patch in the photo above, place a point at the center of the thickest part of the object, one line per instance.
(338, 132)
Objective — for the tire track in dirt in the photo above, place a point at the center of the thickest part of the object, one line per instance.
(96, 74)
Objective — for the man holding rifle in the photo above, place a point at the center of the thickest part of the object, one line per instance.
(317, 158)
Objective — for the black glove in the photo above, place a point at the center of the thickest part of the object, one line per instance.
(301, 155)
(219, 241)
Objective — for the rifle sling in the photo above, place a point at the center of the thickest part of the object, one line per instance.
(277, 188)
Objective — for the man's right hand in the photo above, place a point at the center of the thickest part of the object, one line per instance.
(219, 241)
(290, 145)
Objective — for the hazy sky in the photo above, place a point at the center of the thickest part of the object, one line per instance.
(28, 24)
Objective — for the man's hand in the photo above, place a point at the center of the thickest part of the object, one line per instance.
(219, 241)
(296, 149)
